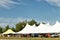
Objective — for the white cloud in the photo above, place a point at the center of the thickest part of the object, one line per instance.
(11, 21)
(6, 3)
(52, 2)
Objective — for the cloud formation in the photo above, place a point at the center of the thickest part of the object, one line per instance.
(52, 2)
(6, 3)
(11, 21)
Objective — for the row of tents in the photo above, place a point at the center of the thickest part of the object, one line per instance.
(42, 28)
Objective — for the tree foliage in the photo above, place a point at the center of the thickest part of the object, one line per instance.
(20, 26)
(6, 28)
(32, 22)
(1, 29)
(13, 29)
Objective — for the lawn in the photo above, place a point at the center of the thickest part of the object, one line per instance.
(28, 38)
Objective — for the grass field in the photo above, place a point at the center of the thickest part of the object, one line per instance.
(28, 38)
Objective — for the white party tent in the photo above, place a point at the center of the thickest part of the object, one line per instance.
(42, 28)
(27, 30)
(55, 28)
(47, 28)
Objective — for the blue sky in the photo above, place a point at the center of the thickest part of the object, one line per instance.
(18, 10)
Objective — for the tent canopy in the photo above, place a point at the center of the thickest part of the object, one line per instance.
(42, 28)
(9, 31)
(28, 29)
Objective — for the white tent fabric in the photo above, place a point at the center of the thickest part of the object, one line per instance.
(55, 28)
(42, 28)
(47, 28)
(27, 30)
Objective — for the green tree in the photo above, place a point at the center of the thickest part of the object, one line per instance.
(13, 29)
(37, 24)
(1, 29)
(6, 28)
(20, 26)
(32, 22)
(43, 23)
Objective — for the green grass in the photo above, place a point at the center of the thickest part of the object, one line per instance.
(27, 38)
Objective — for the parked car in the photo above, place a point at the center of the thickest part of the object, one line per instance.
(54, 35)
